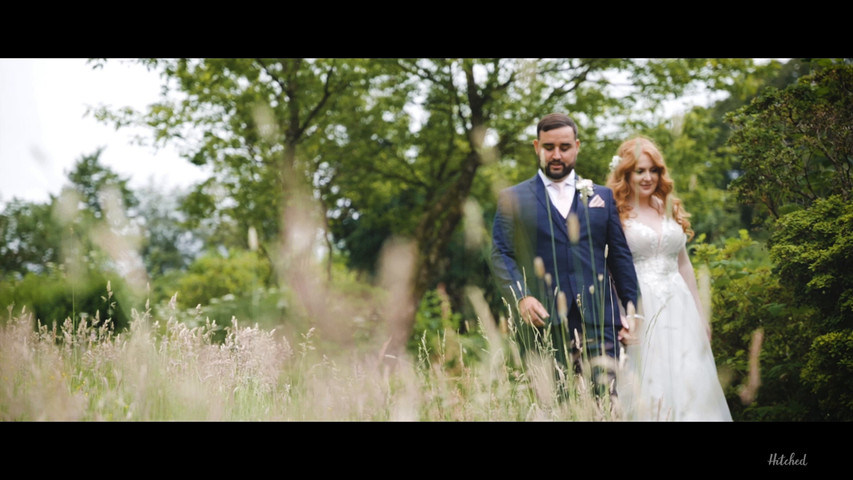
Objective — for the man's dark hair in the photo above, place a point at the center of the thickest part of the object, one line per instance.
(556, 120)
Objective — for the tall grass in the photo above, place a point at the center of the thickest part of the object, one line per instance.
(163, 370)
(167, 367)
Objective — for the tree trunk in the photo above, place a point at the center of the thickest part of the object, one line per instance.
(432, 237)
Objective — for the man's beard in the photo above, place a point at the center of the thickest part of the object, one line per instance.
(557, 174)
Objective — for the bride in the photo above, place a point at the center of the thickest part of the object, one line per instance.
(672, 369)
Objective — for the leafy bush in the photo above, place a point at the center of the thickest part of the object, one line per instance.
(434, 319)
(52, 297)
(828, 370)
(748, 296)
(215, 275)
(813, 249)
(440, 336)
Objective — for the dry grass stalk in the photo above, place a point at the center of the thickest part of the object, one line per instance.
(749, 393)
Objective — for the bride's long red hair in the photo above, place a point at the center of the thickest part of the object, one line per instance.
(619, 181)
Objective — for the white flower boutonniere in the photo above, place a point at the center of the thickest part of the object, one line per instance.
(615, 162)
(584, 186)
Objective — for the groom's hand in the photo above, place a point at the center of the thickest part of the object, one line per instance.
(532, 311)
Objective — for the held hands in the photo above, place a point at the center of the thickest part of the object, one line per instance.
(630, 332)
(532, 311)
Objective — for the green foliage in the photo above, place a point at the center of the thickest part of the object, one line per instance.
(91, 180)
(215, 275)
(261, 307)
(796, 143)
(795, 147)
(434, 321)
(442, 338)
(59, 257)
(72, 228)
(255, 122)
(828, 371)
(220, 287)
(30, 239)
(814, 252)
(802, 376)
(747, 296)
(346, 127)
(53, 297)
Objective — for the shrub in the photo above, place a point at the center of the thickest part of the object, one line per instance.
(53, 297)
(828, 370)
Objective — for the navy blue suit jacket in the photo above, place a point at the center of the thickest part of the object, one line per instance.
(527, 225)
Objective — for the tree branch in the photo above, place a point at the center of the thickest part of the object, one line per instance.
(576, 81)
(409, 180)
(416, 71)
(327, 93)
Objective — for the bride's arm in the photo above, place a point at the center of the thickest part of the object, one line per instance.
(685, 268)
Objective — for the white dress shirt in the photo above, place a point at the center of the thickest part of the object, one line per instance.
(562, 193)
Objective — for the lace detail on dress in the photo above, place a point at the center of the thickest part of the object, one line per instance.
(656, 256)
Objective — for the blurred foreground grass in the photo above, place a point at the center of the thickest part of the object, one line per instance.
(161, 369)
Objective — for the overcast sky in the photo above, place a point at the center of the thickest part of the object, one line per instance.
(43, 131)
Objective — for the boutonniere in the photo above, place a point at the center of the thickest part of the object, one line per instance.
(584, 186)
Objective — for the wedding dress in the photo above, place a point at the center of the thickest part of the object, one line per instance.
(672, 374)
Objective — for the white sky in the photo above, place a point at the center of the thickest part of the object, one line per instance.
(43, 131)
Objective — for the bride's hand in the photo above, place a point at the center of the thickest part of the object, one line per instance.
(628, 337)
(629, 334)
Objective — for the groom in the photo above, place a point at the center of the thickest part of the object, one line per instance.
(574, 228)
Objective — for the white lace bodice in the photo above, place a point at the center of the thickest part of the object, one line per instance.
(656, 256)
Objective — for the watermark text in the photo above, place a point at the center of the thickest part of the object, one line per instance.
(783, 460)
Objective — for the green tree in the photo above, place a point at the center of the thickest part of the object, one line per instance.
(796, 143)
(251, 121)
(415, 175)
(52, 296)
(813, 249)
(60, 257)
(797, 149)
(30, 239)
(390, 146)
(795, 146)
(35, 235)
(91, 180)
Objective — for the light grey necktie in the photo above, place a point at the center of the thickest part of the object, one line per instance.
(565, 201)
